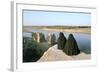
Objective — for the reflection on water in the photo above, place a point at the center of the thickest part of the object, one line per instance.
(83, 40)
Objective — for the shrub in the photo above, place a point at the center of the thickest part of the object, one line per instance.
(42, 37)
(71, 47)
(61, 41)
(53, 39)
(28, 43)
(30, 51)
(30, 55)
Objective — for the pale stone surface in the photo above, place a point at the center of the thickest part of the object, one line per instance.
(54, 54)
(38, 37)
(49, 38)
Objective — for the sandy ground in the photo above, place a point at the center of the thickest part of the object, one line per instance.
(73, 30)
(77, 30)
(54, 54)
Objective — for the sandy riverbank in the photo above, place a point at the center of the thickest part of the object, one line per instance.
(73, 30)
(54, 54)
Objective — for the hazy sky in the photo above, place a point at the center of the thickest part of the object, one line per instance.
(42, 18)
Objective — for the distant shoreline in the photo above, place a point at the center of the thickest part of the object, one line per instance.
(80, 30)
(70, 30)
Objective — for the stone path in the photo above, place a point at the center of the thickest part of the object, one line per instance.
(54, 54)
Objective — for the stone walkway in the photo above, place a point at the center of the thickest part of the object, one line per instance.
(54, 54)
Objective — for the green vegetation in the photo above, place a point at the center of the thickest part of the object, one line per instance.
(32, 51)
(71, 47)
(61, 41)
(42, 37)
(28, 43)
(44, 46)
(65, 27)
(53, 39)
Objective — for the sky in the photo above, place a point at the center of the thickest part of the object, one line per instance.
(50, 18)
